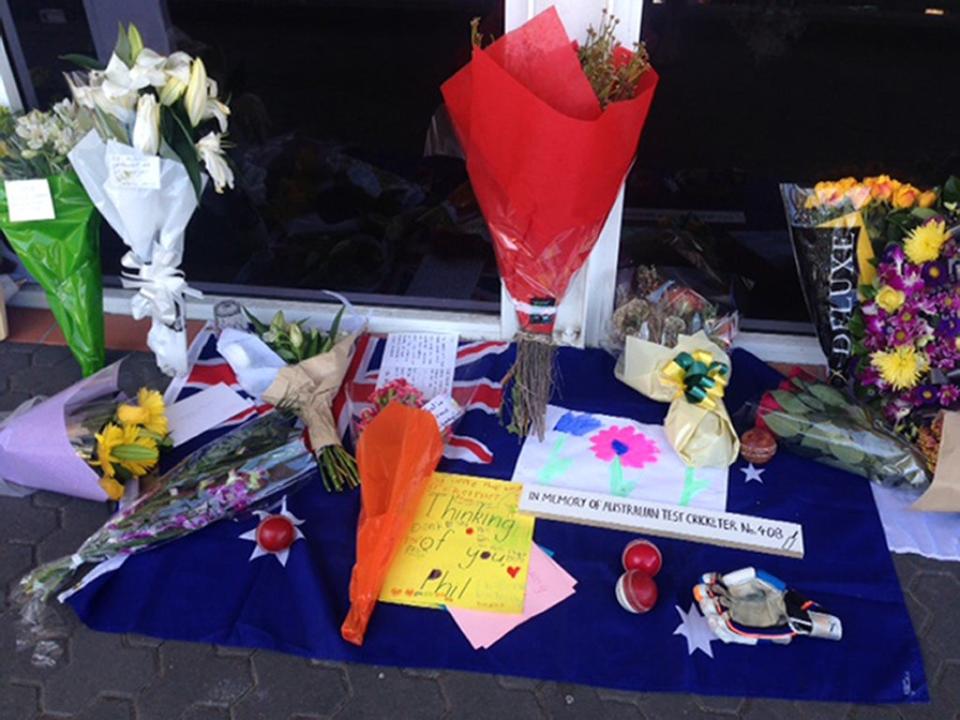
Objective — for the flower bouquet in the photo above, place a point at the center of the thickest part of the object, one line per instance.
(662, 310)
(817, 421)
(837, 228)
(63, 252)
(158, 124)
(241, 468)
(906, 331)
(397, 455)
(691, 375)
(86, 441)
(549, 131)
(300, 369)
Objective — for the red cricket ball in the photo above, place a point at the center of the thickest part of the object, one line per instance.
(758, 446)
(642, 555)
(275, 533)
(636, 591)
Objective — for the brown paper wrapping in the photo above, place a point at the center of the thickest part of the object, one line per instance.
(310, 386)
(701, 437)
(943, 495)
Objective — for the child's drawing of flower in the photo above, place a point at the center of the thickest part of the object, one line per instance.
(632, 448)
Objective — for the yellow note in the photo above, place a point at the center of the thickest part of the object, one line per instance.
(468, 547)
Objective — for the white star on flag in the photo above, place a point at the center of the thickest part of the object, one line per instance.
(262, 515)
(752, 473)
(694, 627)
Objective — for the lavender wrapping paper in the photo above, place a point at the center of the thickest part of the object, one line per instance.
(36, 452)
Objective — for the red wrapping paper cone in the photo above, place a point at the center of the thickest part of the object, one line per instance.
(396, 455)
(546, 163)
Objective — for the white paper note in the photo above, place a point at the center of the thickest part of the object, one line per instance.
(198, 413)
(425, 360)
(29, 200)
(445, 409)
(131, 171)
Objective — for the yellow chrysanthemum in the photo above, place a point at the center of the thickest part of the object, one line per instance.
(924, 242)
(126, 447)
(150, 412)
(901, 367)
(890, 299)
(112, 488)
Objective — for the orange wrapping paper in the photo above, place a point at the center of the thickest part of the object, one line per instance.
(396, 455)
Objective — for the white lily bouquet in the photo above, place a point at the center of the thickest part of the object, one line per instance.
(158, 133)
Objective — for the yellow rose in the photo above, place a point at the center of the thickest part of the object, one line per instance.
(927, 199)
(905, 196)
(890, 299)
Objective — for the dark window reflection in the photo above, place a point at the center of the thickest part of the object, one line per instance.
(755, 93)
(332, 103)
(342, 185)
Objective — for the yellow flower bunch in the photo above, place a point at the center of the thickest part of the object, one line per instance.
(130, 447)
(900, 367)
(925, 242)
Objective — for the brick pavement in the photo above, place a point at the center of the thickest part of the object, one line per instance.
(127, 677)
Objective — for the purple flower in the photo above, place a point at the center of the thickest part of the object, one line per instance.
(870, 377)
(906, 327)
(949, 395)
(897, 272)
(926, 395)
(949, 327)
(935, 274)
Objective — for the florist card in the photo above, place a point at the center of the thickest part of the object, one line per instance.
(616, 456)
(467, 548)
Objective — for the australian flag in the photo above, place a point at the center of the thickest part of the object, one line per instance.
(212, 587)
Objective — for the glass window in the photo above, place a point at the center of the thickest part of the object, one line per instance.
(757, 93)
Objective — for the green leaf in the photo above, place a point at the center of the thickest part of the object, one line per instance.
(783, 425)
(951, 190)
(924, 213)
(811, 402)
(829, 396)
(869, 292)
(789, 402)
(122, 49)
(259, 326)
(335, 326)
(84, 61)
(847, 453)
(178, 135)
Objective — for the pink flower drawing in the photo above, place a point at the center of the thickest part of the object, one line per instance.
(632, 448)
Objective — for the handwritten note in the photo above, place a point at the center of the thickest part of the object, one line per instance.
(425, 360)
(548, 585)
(29, 200)
(134, 171)
(467, 548)
(445, 409)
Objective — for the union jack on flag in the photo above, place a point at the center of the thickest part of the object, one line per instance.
(477, 386)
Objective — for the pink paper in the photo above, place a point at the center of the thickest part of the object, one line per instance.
(548, 584)
(35, 450)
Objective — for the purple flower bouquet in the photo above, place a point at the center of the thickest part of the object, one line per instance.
(242, 468)
(907, 330)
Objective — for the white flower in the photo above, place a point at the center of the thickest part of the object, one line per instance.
(215, 108)
(146, 128)
(34, 129)
(148, 69)
(211, 154)
(177, 72)
(195, 97)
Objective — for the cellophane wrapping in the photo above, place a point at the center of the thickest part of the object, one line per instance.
(545, 161)
(397, 454)
(63, 255)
